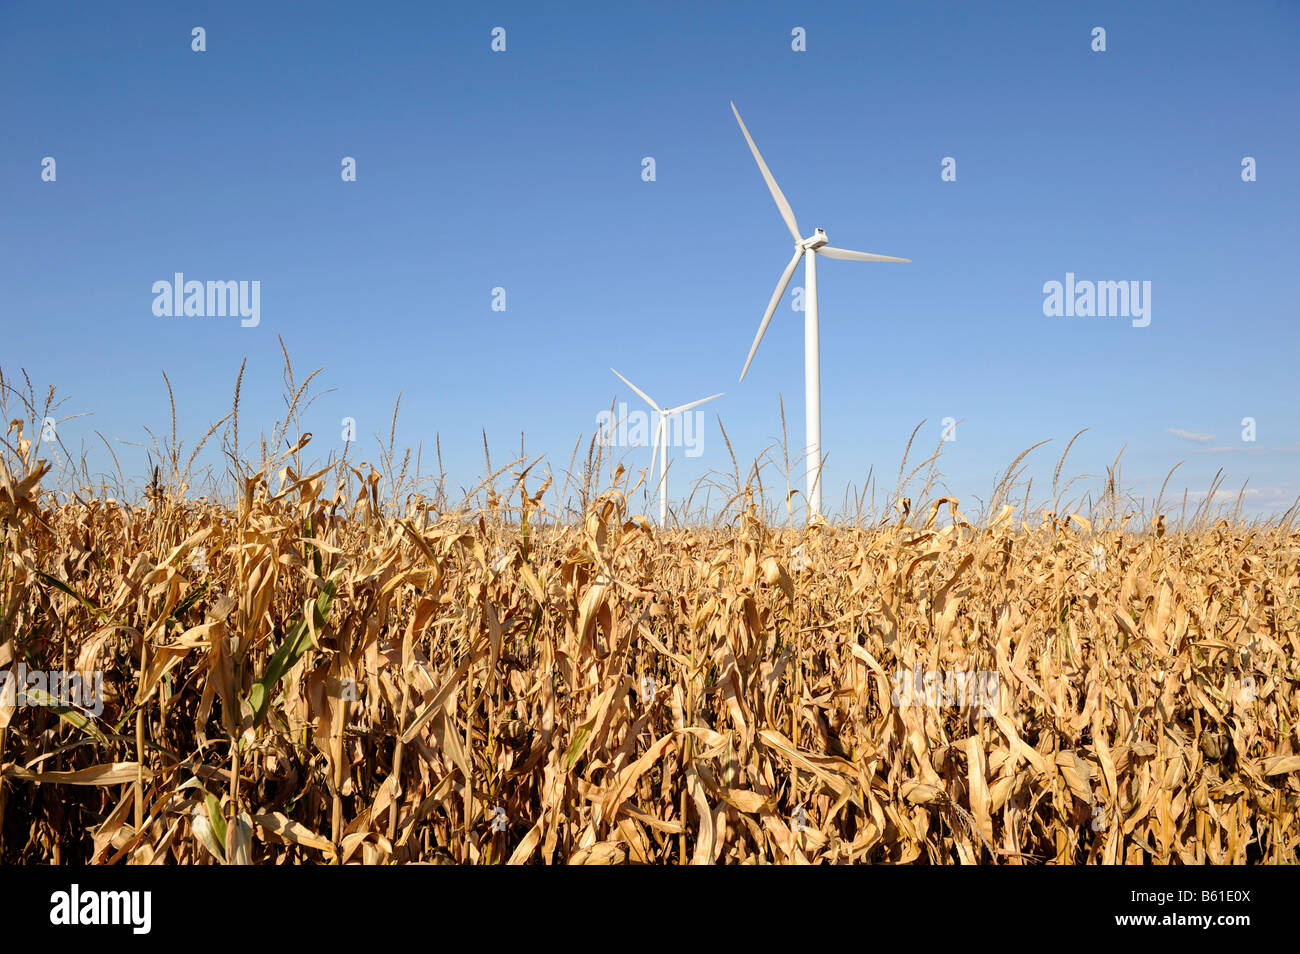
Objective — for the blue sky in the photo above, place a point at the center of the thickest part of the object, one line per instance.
(523, 170)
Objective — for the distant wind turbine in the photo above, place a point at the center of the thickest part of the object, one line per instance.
(808, 249)
(661, 440)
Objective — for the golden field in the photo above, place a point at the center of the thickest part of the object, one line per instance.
(323, 671)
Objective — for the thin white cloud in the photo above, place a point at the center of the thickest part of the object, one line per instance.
(1190, 435)
(1254, 498)
(1245, 448)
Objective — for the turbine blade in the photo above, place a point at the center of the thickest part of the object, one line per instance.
(687, 407)
(771, 308)
(830, 251)
(654, 452)
(644, 396)
(787, 213)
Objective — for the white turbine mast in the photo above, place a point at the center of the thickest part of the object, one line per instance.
(808, 249)
(661, 440)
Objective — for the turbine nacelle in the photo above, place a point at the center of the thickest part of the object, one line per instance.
(816, 240)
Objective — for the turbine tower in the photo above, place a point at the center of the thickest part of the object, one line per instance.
(808, 249)
(661, 440)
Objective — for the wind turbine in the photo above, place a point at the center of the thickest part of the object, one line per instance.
(808, 249)
(661, 439)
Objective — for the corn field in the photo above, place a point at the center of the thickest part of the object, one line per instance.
(318, 671)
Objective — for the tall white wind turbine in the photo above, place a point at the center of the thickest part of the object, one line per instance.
(808, 249)
(661, 440)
